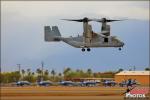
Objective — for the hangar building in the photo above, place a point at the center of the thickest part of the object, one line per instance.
(143, 77)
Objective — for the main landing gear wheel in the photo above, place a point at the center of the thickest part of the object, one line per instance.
(119, 49)
(83, 49)
(88, 49)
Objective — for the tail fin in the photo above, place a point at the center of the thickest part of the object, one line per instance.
(52, 35)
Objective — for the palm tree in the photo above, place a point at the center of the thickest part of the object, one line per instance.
(147, 69)
(53, 73)
(45, 76)
(39, 72)
(59, 74)
(29, 72)
(89, 72)
(32, 73)
(23, 72)
(119, 70)
(66, 71)
(46, 73)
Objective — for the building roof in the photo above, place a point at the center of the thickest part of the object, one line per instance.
(134, 73)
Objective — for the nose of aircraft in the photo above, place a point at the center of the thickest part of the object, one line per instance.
(122, 44)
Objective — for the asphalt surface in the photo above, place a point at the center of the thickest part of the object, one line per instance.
(63, 98)
(62, 93)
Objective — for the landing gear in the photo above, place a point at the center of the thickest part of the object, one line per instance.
(119, 49)
(88, 49)
(83, 49)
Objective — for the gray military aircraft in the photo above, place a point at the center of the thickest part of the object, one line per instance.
(89, 39)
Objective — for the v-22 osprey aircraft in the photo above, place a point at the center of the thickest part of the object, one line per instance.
(89, 39)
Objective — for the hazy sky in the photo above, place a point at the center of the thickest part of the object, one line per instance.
(22, 35)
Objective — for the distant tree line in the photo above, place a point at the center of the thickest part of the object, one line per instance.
(68, 73)
(28, 75)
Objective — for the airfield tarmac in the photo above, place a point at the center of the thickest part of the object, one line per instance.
(62, 93)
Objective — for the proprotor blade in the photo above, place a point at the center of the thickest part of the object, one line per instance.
(85, 19)
(105, 20)
(77, 20)
(111, 20)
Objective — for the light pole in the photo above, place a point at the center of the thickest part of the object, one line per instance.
(42, 63)
(19, 69)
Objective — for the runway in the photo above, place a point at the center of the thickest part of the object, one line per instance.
(62, 93)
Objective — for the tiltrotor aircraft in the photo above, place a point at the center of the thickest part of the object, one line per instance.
(89, 39)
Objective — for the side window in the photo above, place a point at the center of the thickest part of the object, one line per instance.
(105, 39)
